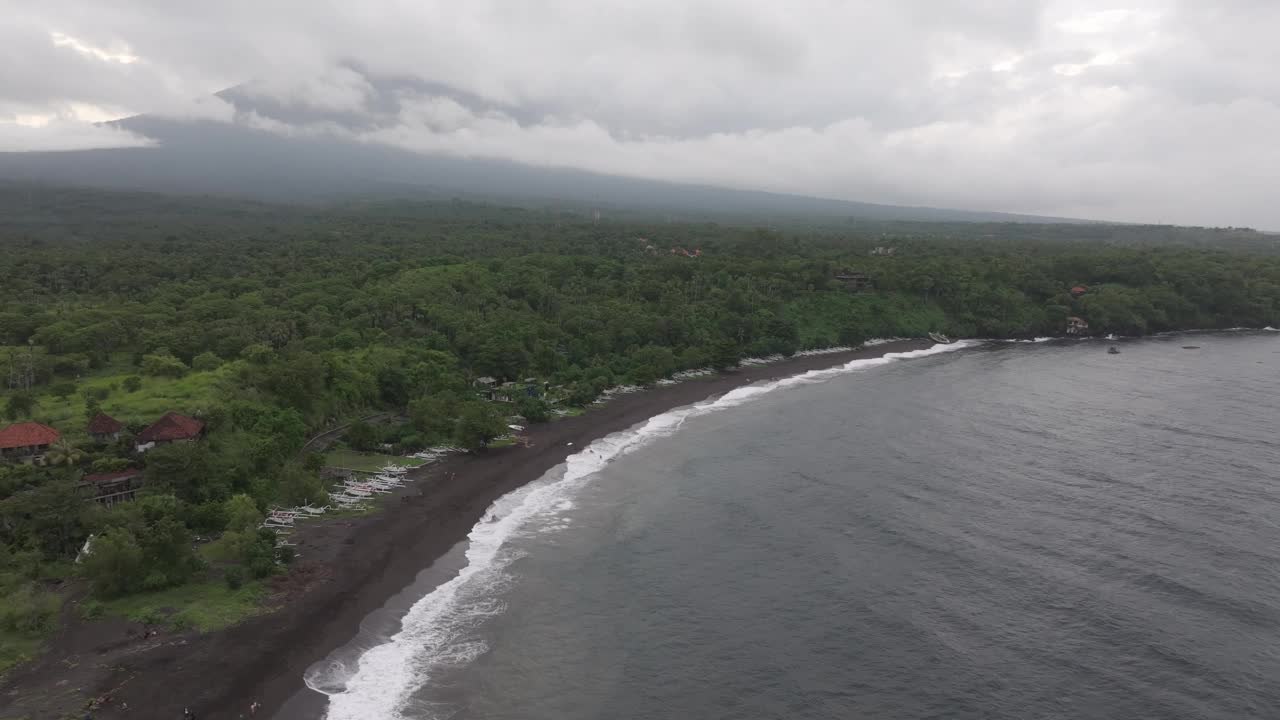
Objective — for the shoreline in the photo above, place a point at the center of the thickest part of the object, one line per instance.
(349, 568)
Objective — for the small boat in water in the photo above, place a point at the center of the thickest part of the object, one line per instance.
(1190, 347)
(1112, 350)
(940, 338)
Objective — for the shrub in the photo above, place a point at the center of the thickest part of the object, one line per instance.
(133, 383)
(29, 610)
(362, 436)
(535, 410)
(163, 365)
(234, 577)
(91, 609)
(20, 405)
(206, 361)
(258, 353)
(71, 364)
(115, 566)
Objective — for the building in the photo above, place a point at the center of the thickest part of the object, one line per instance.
(171, 428)
(27, 442)
(881, 250)
(104, 429)
(113, 487)
(855, 281)
(1077, 326)
(1078, 290)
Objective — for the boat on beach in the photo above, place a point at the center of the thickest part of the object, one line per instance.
(940, 338)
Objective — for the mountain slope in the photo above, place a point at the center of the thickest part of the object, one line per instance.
(220, 158)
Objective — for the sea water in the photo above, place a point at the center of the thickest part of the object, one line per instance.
(984, 530)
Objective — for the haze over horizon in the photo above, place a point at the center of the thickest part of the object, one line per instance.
(1143, 111)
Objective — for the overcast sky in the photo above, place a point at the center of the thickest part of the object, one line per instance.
(1146, 110)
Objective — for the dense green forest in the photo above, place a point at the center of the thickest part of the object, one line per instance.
(270, 324)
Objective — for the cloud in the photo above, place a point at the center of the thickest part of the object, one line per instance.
(1157, 110)
(39, 133)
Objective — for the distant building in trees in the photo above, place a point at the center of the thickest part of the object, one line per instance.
(881, 250)
(1077, 326)
(27, 442)
(171, 428)
(1078, 290)
(856, 281)
(104, 429)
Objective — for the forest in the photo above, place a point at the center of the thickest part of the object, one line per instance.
(270, 324)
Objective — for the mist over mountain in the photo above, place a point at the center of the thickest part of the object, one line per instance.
(220, 158)
(260, 154)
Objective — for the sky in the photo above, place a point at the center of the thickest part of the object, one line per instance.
(1143, 110)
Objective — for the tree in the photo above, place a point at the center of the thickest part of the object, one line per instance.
(20, 405)
(533, 409)
(242, 513)
(478, 423)
(50, 516)
(115, 565)
(295, 485)
(62, 452)
(725, 356)
(163, 364)
(362, 436)
(132, 384)
(205, 362)
(92, 407)
(186, 470)
(434, 415)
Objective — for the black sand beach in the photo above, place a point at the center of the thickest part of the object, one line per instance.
(348, 568)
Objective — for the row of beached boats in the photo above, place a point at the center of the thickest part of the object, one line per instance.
(354, 494)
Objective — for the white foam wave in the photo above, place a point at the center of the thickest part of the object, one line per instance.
(435, 632)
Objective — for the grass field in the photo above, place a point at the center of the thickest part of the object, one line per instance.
(16, 647)
(369, 462)
(204, 606)
(195, 392)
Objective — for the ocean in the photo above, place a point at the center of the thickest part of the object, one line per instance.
(982, 530)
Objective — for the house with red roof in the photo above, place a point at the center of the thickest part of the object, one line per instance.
(113, 487)
(27, 442)
(104, 429)
(171, 428)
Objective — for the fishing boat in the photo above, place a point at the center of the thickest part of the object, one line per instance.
(1112, 350)
(940, 338)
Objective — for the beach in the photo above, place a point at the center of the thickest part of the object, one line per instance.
(349, 567)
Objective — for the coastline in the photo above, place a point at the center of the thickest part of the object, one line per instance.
(350, 567)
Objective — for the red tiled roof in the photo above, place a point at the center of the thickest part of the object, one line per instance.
(171, 427)
(104, 424)
(26, 435)
(112, 476)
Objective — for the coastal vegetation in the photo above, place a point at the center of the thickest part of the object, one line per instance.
(455, 320)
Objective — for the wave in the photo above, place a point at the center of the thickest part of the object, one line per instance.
(435, 632)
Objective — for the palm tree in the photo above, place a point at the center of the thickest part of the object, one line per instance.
(62, 452)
